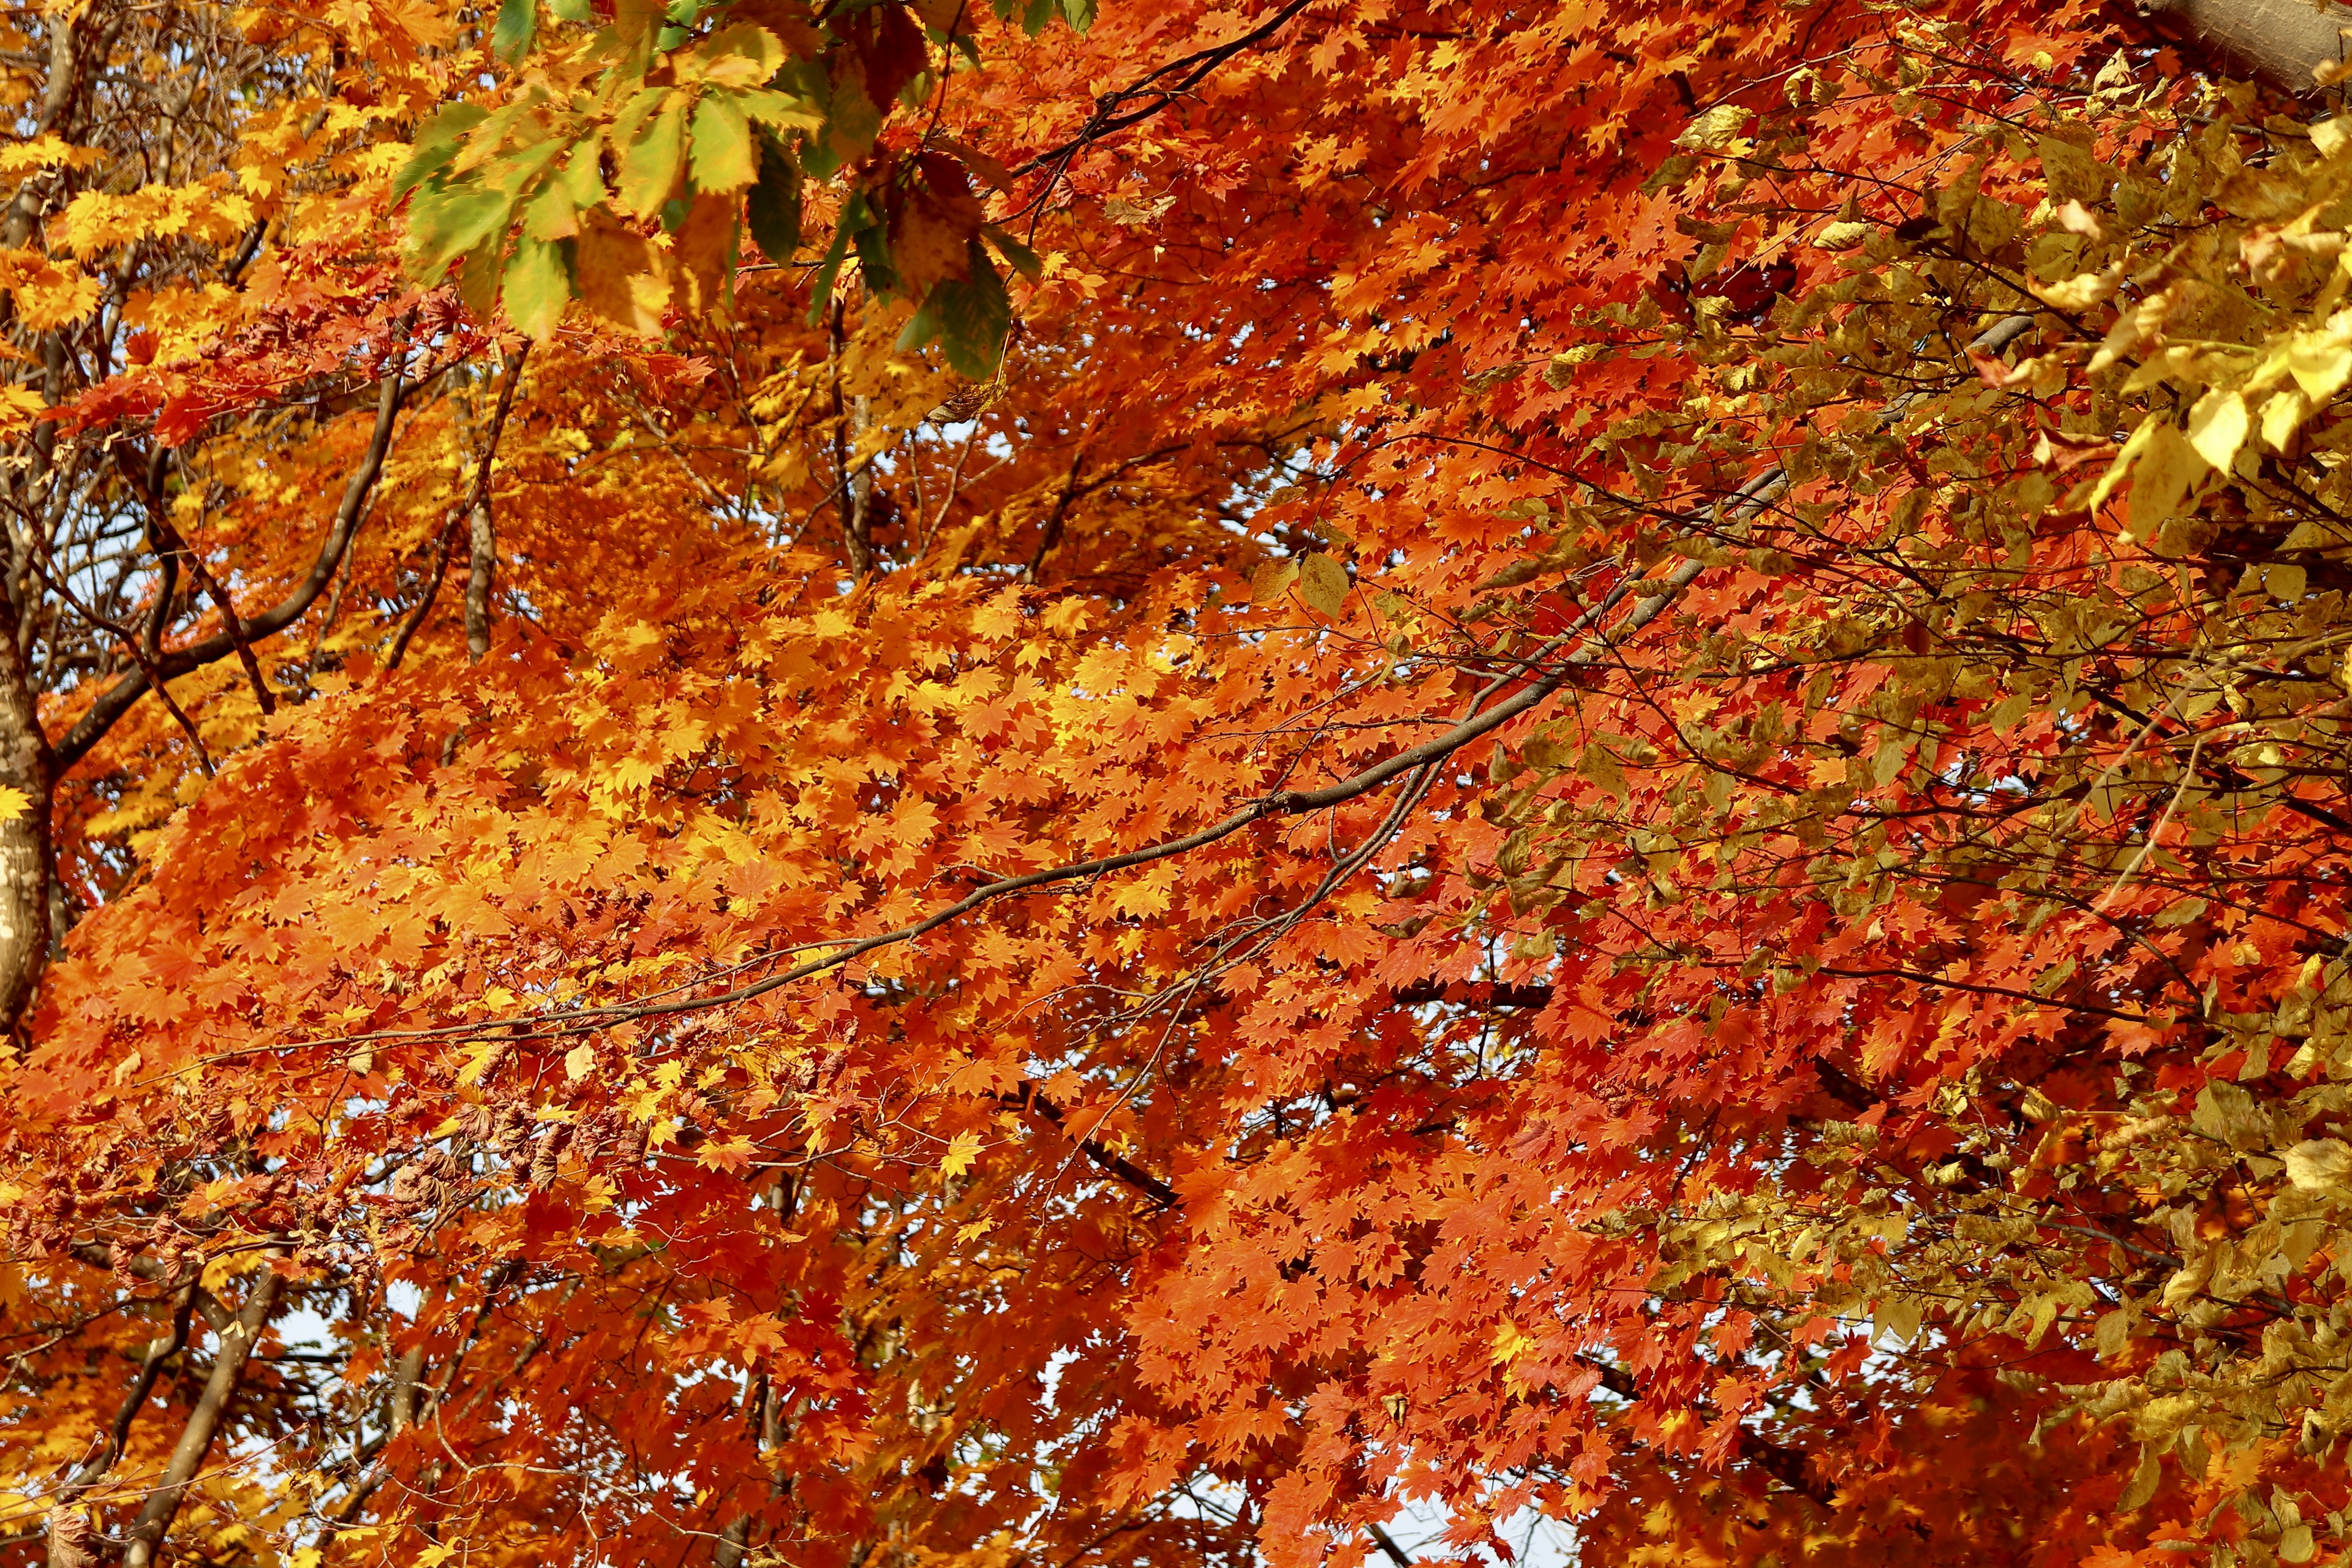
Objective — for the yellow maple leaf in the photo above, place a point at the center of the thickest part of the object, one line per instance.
(20, 406)
(963, 1150)
(54, 297)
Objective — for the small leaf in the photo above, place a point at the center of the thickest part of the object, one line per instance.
(579, 1061)
(963, 1150)
(1323, 583)
(14, 803)
(2216, 428)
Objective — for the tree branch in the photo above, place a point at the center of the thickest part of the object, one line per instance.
(236, 1344)
(477, 505)
(116, 700)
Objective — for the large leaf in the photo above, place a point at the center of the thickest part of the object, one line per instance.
(443, 225)
(773, 209)
(654, 160)
(538, 286)
(725, 157)
(436, 144)
(518, 24)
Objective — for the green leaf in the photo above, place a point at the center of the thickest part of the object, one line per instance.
(436, 144)
(854, 215)
(444, 225)
(774, 210)
(1081, 13)
(725, 156)
(551, 215)
(478, 275)
(969, 318)
(518, 170)
(1037, 17)
(584, 176)
(781, 110)
(631, 118)
(873, 243)
(539, 285)
(743, 55)
(654, 159)
(1022, 260)
(574, 10)
(518, 21)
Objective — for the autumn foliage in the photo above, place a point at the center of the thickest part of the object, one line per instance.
(923, 785)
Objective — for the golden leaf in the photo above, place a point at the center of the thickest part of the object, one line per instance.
(963, 1150)
(621, 276)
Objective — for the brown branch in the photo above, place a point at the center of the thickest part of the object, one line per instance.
(218, 596)
(1758, 493)
(477, 501)
(118, 1434)
(1162, 87)
(1782, 1463)
(1027, 1098)
(116, 700)
(236, 1344)
(433, 574)
(141, 653)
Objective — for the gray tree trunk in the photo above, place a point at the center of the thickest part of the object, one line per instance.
(2282, 40)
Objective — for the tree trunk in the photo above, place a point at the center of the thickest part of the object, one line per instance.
(28, 767)
(2284, 40)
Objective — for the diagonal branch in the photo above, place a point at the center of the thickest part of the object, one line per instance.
(236, 1344)
(116, 700)
(1147, 95)
(1027, 1098)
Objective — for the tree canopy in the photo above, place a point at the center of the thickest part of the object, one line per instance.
(902, 784)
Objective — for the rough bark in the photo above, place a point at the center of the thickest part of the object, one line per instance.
(477, 583)
(28, 767)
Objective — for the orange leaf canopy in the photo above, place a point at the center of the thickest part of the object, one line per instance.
(917, 1002)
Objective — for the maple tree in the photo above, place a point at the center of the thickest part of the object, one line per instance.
(940, 785)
